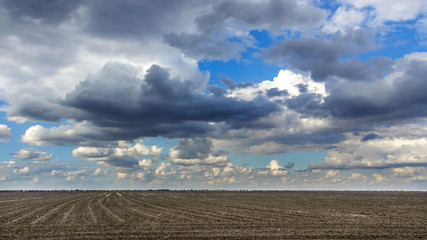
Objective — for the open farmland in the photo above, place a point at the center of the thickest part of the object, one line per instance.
(207, 215)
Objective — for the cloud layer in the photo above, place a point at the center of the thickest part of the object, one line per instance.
(139, 92)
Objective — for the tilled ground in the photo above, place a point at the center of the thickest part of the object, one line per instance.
(213, 215)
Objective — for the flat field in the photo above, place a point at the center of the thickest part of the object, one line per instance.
(213, 215)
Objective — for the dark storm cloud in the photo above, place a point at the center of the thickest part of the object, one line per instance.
(400, 95)
(120, 162)
(194, 148)
(289, 165)
(321, 56)
(275, 92)
(47, 11)
(216, 90)
(211, 39)
(406, 98)
(37, 108)
(369, 137)
(307, 103)
(131, 107)
(316, 138)
(273, 15)
(204, 46)
(197, 151)
(134, 19)
(231, 84)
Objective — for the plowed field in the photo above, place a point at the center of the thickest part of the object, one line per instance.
(213, 215)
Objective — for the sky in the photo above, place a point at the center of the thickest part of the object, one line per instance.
(224, 94)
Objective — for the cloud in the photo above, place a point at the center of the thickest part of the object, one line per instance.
(145, 163)
(234, 19)
(368, 137)
(345, 18)
(123, 155)
(421, 27)
(35, 180)
(289, 165)
(54, 45)
(74, 134)
(204, 46)
(69, 175)
(391, 10)
(408, 178)
(33, 105)
(109, 73)
(410, 173)
(322, 56)
(32, 154)
(23, 170)
(274, 169)
(165, 170)
(5, 133)
(286, 85)
(116, 104)
(100, 171)
(272, 15)
(141, 19)
(231, 174)
(286, 130)
(400, 94)
(166, 101)
(395, 96)
(52, 174)
(197, 152)
(392, 150)
(49, 11)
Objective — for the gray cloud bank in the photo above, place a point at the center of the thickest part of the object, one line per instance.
(213, 28)
(398, 95)
(120, 105)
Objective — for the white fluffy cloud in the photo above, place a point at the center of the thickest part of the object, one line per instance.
(164, 170)
(391, 10)
(344, 19)
(399, 146)
(22, 170)
(33, 154)
(285, 130)
(100, 171)
(63, 134)
(69, 175)
(273, 169)
(123, 155)
(145, 163)
(286, 85)
(209, 160)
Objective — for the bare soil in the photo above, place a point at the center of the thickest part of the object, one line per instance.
(213, 215)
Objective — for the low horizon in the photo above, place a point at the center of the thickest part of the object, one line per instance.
(214, 190)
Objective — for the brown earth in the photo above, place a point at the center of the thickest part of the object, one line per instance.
(213, 215)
